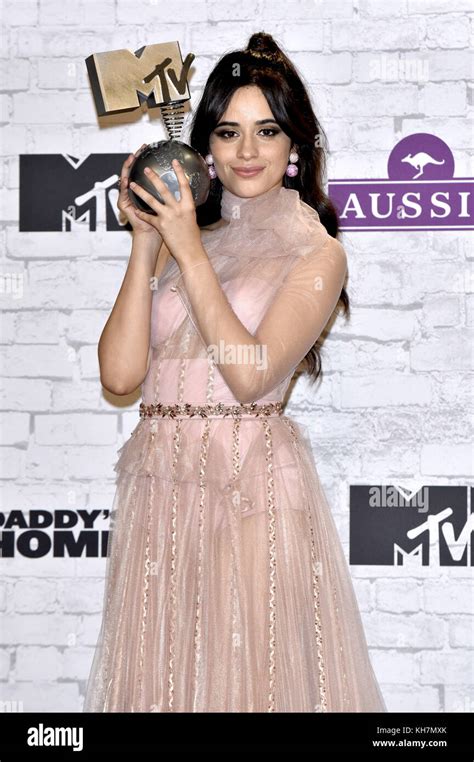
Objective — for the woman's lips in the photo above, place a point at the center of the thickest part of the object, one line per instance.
(247, 172)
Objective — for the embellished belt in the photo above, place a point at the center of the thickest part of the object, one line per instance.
(206, 411)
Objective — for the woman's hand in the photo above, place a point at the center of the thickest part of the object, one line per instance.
(175, 220)
(127, 208)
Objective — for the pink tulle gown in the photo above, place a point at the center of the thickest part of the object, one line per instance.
(226, 586)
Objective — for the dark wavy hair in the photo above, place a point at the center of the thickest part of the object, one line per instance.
(263, 63)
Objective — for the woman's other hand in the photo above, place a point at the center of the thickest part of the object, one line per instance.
(128, 211)
(175, 220)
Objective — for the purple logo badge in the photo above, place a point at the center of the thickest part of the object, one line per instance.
(420, 193)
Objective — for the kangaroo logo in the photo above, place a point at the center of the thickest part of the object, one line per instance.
(419, 162)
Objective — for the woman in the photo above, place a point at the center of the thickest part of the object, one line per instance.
(226, 585)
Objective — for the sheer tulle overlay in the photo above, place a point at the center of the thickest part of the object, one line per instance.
(226, 586)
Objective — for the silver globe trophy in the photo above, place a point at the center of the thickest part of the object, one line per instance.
(156, 74)
(159, 156)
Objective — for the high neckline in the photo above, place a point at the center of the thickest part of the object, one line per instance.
(233, 207)
(274, 224)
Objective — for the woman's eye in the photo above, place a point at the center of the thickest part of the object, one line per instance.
(228, 133)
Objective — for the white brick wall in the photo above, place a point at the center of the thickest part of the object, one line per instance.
(393, 402)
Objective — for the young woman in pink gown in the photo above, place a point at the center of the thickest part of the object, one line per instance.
(226, 588)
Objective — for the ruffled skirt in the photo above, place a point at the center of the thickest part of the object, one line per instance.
(226, 586)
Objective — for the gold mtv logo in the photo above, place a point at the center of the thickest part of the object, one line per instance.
(121, 80)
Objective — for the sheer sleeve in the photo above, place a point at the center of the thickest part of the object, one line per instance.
(257, 361)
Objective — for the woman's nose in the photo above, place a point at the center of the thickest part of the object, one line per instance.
(246, 148)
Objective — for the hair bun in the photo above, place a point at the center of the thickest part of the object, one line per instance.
(263, 45)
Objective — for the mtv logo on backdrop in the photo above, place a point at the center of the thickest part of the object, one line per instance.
(76, 194)
(431, 526)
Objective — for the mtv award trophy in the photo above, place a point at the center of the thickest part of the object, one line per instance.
(155, 74)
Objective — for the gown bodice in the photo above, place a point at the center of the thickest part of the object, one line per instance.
(272, 245)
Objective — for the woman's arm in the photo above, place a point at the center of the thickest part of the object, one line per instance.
(124, 343)
(291, 325)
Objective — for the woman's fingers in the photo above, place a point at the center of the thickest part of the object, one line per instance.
(129, 160)
(125, 173)
(123, 198)
(160, 186)
(181, 175)
(184, 188)
(165, 193)
(150, 218)
(148, 197)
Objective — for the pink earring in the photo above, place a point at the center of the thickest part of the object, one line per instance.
(210, 166)
(292, 169)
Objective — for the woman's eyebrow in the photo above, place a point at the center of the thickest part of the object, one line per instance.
(237, 124)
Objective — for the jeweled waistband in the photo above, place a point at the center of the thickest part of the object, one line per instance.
(218, 409)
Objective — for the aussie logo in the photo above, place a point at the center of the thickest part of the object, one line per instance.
(420, 193)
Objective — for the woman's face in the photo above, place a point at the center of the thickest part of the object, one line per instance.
(240, 140)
